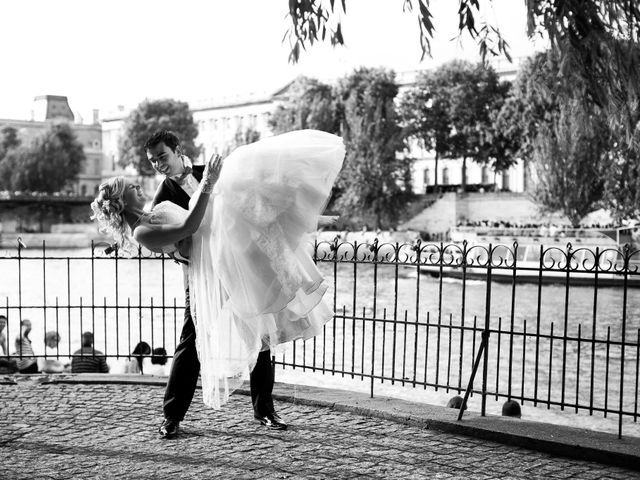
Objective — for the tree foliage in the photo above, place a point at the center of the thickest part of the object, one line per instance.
(375, 181)
(570, 154)
(595, 41)
(564, 136)
(451, 111)
(473, 90)
(243, 136)
(314, 20)
(622, 181)
(55, 158)
(424, 111)
(149, 117)
(8, 140)
(308, 103)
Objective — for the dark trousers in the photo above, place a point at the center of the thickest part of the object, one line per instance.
(185, 369)
(33, 368)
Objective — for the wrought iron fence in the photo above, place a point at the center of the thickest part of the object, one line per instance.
(560, 331)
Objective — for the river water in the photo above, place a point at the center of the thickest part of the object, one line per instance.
(431, 339)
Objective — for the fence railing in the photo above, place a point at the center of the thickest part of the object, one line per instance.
(563, 331)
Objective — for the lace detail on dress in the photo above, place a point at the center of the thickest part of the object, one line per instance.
(166, 213)
(281, 258)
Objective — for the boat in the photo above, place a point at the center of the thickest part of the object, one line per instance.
(538, 255)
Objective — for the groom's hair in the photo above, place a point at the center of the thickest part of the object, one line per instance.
(170, 139)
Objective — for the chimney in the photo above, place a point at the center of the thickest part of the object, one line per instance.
(96, 116)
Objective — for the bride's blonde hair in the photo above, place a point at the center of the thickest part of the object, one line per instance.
(108, 212)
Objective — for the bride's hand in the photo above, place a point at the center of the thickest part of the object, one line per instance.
(211, 173)
(327, 220)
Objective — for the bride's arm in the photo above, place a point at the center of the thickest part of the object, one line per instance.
(161, 235)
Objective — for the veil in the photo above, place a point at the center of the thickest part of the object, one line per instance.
(252, 281)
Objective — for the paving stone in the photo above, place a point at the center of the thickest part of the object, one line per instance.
(103, 431)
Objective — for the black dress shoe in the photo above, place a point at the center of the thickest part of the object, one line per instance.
(169, 428)
(271, 421)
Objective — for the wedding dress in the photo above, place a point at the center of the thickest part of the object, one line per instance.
(252, 281)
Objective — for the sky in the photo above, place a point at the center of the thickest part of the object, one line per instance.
(101, 54)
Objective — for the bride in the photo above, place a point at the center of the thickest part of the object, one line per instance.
(253, 283)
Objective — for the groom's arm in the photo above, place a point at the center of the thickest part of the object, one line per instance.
(327, 220)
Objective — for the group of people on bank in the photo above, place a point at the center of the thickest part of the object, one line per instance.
(87, 359)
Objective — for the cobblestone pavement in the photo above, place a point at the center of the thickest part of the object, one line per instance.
(109, 431)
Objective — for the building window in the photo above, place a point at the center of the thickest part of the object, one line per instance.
(425, 178)
(83, 190)
(505, 180)
(445, 176)
(485, 175)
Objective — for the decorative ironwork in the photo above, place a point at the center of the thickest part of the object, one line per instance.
(419, 315)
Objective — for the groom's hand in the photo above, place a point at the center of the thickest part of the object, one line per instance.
(327, 220)
(184, 247)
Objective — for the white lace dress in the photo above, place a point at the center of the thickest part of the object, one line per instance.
(252, 281)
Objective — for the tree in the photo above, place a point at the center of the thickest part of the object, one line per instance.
(246, 136)
(564, 136)
(595, 41)
(55, 158)
(309, 103)
(570, 155)
(622, 181)
(8, 140)
(502, 137)
(374, 181)
(450, 110)
(311, 20)
(424, 110)
(243, 136)
(149, 117)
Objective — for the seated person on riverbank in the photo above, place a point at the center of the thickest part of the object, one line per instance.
(158, 362)
(26, 361)
(136, 360)
(89, 360)
(53, 363)
(8, 365)
(3, 337)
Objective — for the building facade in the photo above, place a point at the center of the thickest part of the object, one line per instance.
(448, 175)
(52, 108)
(220, 120)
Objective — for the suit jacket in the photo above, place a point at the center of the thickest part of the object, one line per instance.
(170, 190)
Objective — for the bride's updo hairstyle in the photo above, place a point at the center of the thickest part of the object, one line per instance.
(108, 212)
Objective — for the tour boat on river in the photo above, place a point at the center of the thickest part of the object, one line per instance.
(549, 243)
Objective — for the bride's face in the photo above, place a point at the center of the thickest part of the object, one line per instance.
(133, 196)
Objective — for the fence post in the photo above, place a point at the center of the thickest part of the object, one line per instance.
(481, 350)
(485, 333)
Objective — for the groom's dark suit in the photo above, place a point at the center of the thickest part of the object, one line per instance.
(186, 367)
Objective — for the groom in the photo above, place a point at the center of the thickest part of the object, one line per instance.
(180, 183)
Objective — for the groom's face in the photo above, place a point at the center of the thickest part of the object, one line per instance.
(164, 160)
